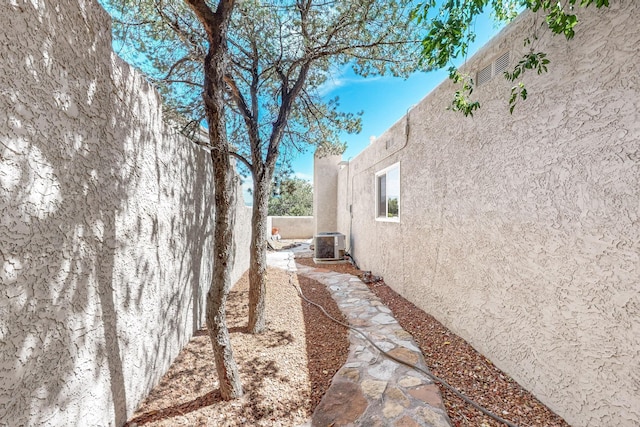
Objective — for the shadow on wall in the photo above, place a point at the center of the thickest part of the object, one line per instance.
(61, 189)
(180, 233)
(164, 229)
(100, 289)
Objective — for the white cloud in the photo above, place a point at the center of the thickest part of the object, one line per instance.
(343, 77)
(330, 85)
(305, 176)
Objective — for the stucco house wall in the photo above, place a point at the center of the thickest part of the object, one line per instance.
(325, 193)
(521, 232)
(105, 223)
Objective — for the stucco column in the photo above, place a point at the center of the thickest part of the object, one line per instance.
(325, 193)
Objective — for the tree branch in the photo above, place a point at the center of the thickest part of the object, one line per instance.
(244, 161)
(187, 82)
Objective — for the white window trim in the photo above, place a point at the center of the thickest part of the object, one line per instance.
(375, 182)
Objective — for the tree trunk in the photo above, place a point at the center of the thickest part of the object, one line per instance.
(224, 254)
(258, 257)
(216, 25)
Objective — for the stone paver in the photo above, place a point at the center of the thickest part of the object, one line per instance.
(371, 389)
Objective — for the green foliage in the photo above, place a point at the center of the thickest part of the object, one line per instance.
(393, 209)
(330, 149)
(532, 61)
(559, 16)
(292, 197)
(461, 101)
(280, 54)
(449, 32)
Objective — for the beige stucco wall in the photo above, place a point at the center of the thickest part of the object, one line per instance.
(325, 184)
(105, 223)
(521, 232)
(293, 227)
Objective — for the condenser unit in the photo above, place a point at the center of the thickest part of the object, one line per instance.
(329, 246)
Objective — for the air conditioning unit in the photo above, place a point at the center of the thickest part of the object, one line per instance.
(329, 246)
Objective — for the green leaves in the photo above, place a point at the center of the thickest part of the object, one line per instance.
(281, 56)
(449, 30)
(561, 22)
(532, 61)
(291, 197)
(461, 100)
(517, 91)
(560, 17)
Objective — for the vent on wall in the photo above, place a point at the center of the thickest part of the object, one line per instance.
(484, 75)
(501, 63)
(496, 67)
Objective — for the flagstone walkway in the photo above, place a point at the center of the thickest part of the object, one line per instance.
(370, 389)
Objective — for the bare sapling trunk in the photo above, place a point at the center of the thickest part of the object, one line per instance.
(258, 256)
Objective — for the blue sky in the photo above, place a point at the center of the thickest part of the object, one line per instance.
(384, 100)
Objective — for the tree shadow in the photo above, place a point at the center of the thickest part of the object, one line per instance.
(105, 230)
(260, 370)
(59, 218)
(238, 304)
(192, 374)
(173, 411)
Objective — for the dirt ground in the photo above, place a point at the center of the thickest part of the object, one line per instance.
(286, 370)
(457, 362)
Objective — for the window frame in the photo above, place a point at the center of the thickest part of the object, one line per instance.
(384, 172)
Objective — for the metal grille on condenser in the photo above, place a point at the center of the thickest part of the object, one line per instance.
(325, 247)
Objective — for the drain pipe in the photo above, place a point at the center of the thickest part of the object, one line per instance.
(407, 129)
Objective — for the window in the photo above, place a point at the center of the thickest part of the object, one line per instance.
(388, 194)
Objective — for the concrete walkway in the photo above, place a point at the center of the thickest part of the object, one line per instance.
(370, 389)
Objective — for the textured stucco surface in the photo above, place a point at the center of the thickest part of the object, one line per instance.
(522, 233)
(325, 193)
(293, 227)
(105, 223)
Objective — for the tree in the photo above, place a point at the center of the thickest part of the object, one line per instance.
(280, 53)
(215, 25)
(291, 197)
(283, 51)
(393, 207)
(450, 31)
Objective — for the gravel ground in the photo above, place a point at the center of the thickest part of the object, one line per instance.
(454, 360)
(285, 371)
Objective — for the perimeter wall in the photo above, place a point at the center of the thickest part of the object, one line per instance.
(291, 227)
(105, 223)
(521, 233)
